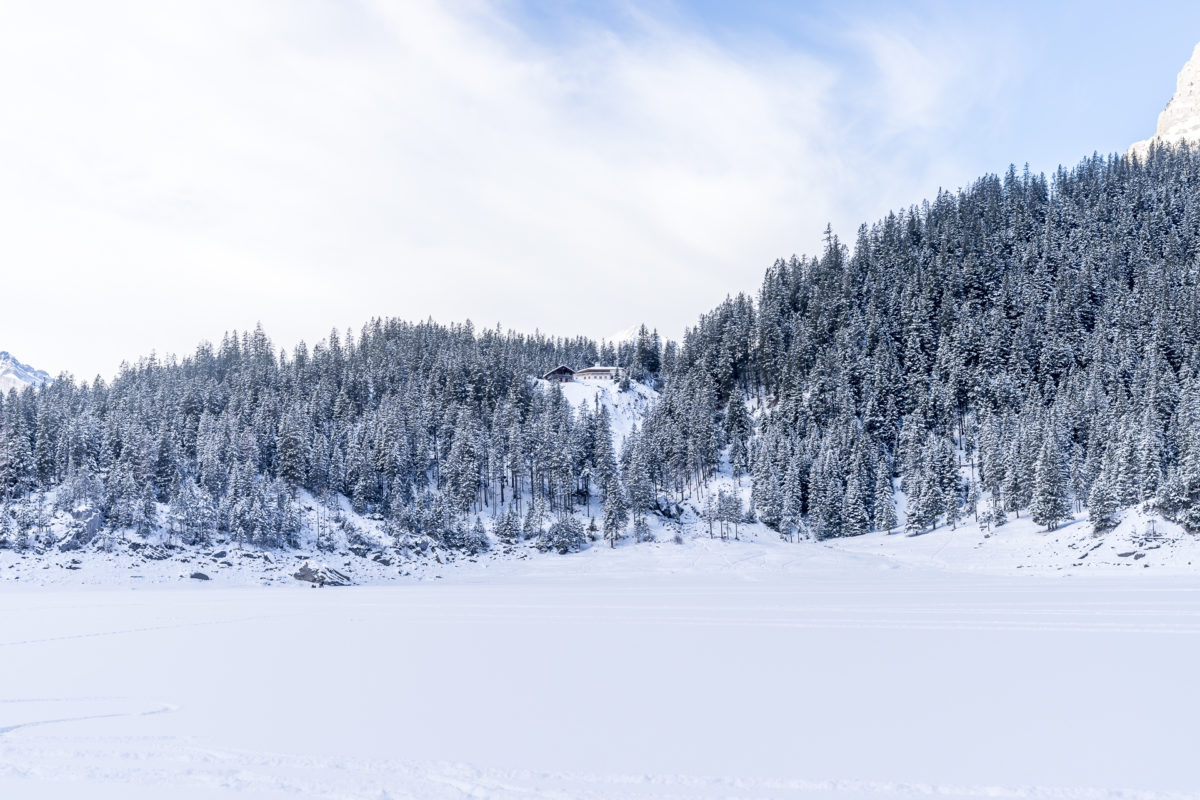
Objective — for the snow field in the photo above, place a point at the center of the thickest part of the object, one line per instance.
(821, 677)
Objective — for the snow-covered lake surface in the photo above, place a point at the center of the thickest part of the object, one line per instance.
(838, 675)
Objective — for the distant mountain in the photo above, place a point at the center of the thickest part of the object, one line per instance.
(15, 375)
(629, 334)
(1180, 120)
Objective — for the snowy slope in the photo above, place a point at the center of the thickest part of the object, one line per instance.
(625, 409)
(15, 375)
(1143, 541)
(1143, 544)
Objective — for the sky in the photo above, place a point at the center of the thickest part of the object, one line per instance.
(172, 171)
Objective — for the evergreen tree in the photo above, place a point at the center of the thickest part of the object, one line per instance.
(738, 430)
(1102, 505)
(729, 511)
(508, 526)
(916, 515)
(476, 539)
(854, 511)
(641, 530)
(565, 535)
(616, 512)
(1050, 505)
(884, 500)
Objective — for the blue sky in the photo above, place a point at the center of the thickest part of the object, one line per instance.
(177, 170)
(1078, 76)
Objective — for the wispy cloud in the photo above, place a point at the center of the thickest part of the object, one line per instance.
(174, 170)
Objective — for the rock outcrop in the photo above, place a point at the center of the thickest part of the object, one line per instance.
(321, 575)
(1180, 120)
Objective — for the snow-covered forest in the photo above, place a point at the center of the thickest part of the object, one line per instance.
(1043, 334)
(1027, 346)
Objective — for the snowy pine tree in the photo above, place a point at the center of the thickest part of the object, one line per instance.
(1050, 504)
(884, 500)
(1102, 505)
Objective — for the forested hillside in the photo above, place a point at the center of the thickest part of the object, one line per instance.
(425, 426)
(1044, 332)
(1014, 348)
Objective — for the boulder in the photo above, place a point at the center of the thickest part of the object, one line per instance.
(321, 575)
(154, 553)
(199, 576)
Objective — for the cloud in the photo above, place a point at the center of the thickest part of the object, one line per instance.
(175, 170)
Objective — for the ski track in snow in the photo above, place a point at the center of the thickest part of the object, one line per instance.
(86, 717)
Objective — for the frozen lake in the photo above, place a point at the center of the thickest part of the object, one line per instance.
(839, 683)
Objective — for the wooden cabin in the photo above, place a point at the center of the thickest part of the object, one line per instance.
(560, 374)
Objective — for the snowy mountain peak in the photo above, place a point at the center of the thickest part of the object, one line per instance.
(1180, 120)
(629, 334)
(15, 375)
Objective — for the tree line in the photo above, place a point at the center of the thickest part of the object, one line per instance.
(1026, 345)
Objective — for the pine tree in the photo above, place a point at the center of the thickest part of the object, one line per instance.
(16, 456)
(508, 526)
(709, 513)
(476, 540)
(916, 514)
(1102, 505)
(947, 497)
(1050, 504)
(951, 500)
(535, 518)
(738, 430)
(854, 511)
(616, 512)
(289, 451)
(729, 510)
(603, 456)
(641, 530)
(827, 502)
(786, 502)
(7, 526)
(565, 535)
(932, 500)
(885, 500)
